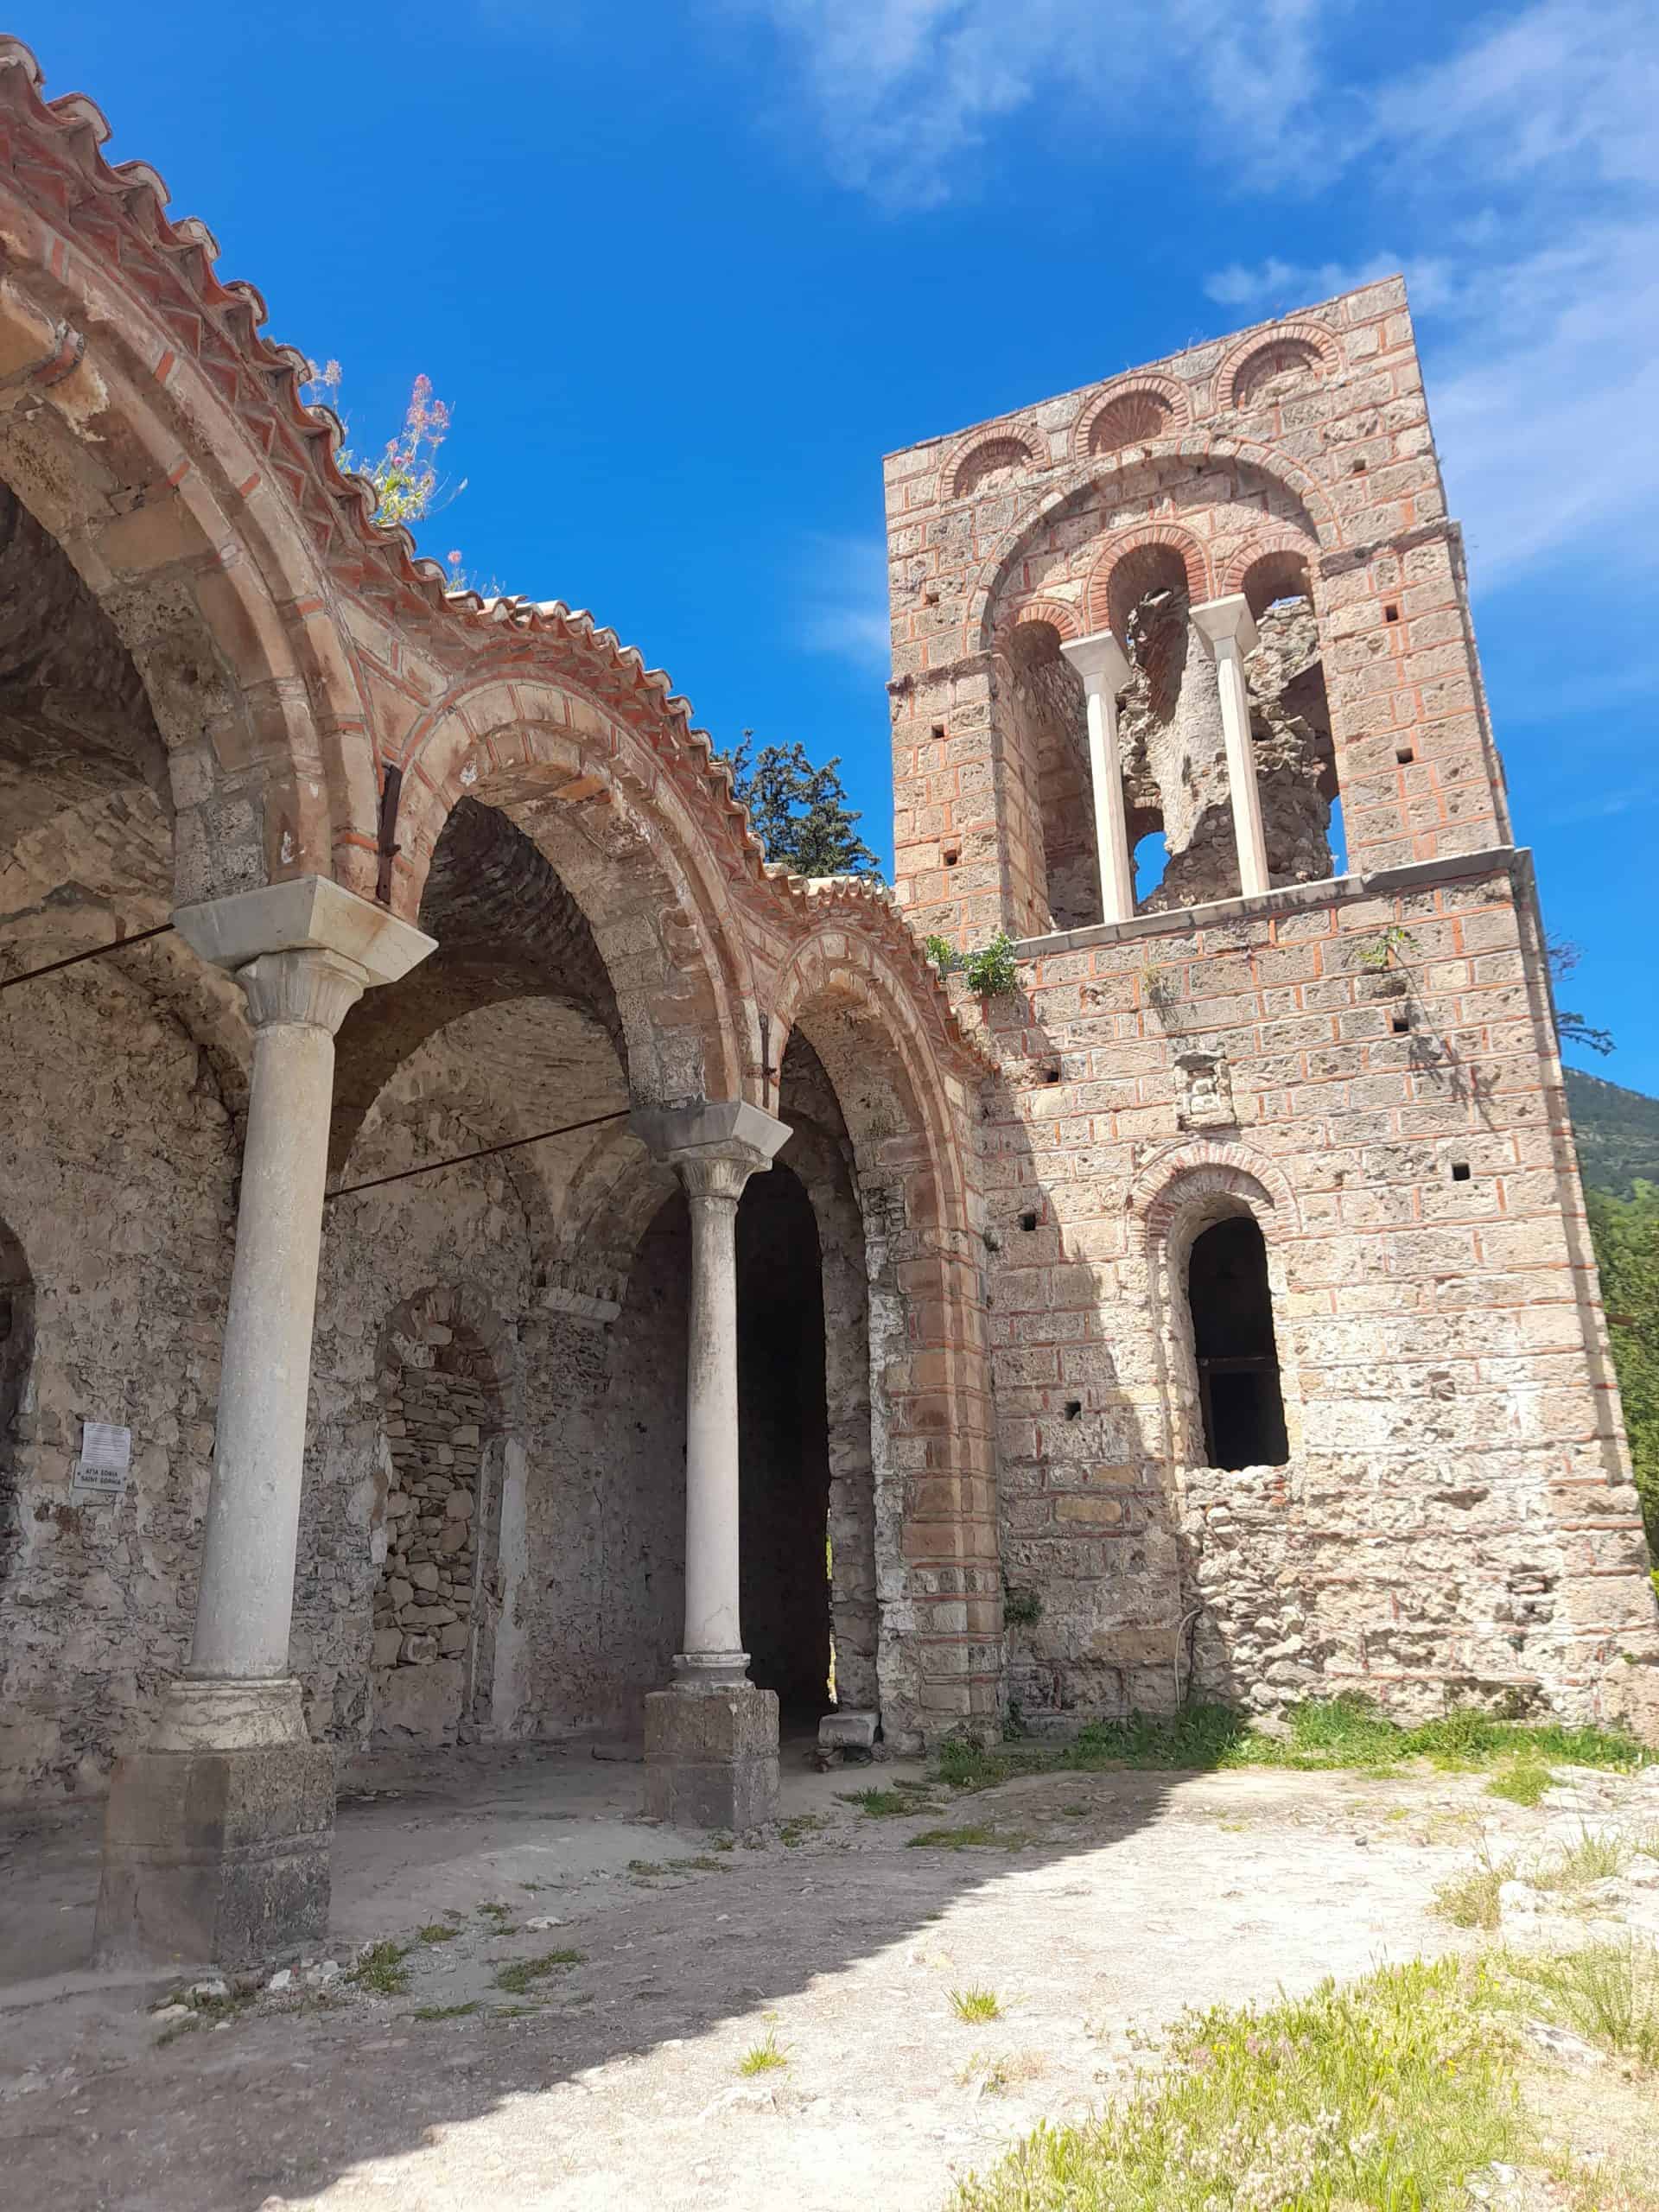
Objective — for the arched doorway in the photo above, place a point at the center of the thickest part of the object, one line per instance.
(1241, 1399)
(783, 1446)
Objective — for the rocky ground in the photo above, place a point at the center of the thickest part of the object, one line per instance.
(768, 2021)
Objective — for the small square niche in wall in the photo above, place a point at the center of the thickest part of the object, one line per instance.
(1460, 1171)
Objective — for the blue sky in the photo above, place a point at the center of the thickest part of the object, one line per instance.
(685, 272)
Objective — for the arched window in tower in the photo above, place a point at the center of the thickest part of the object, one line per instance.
(1051, 729)
(1231, 1305)
(1290, 722)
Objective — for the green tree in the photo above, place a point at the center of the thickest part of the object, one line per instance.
(1626, 1236)
(798, 812)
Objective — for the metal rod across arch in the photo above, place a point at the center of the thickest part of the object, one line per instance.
(485, 1152)
(74, 959)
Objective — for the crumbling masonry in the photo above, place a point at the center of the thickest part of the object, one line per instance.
(545, 1271)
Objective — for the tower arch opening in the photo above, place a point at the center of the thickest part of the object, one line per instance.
(1229, 1302)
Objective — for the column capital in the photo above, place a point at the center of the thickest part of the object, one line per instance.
(310, 913)
(716, 1144)
(1220, 619)
(1099, 660)
(308, 987)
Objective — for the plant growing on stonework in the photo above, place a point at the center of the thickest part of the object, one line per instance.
(405, 475)
(942, 954)
(992, 972)
(798, 812)
(1379, 952)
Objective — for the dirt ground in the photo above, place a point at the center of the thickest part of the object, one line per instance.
(1098, 1907)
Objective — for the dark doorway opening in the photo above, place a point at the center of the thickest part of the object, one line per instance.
(783, 1445)
(1232, 1338)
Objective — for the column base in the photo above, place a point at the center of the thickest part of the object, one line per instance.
(711, 1756)
(215, 1855)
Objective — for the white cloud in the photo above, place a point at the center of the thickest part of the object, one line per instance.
(903, 94)
(843, 607)
(1274, 286)
(1519, 174)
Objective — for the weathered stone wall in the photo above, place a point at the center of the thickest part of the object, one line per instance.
(601, 1601)
(118, 1155)
(1455, 1516)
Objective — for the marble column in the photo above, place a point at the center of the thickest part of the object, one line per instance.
(218, 1831)
(1105, 667)
(1226, 628)
(711, 1740)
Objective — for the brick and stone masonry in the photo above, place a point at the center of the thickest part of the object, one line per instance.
(1361, 1057)
(1211, 1314)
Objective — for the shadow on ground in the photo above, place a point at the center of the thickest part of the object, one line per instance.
(1084, 1902)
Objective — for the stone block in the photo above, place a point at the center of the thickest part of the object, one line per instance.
(388, 1642)
(711, 1757)
(848, 1732)
(215, 1857)
(423, 1703)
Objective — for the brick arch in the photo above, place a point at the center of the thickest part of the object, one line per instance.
(1165, 393)
(937, 1542)
(981, 459)
(1018, 444)
(1119, 554)
(594, 796)
(1234, 368)
(1081, 482)
(1054, 612)
(1267, 545)
(127, 432)
(1173, 1178)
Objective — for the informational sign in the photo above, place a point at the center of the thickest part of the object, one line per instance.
(100, 1476)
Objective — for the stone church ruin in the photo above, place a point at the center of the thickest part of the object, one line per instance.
(484, 1257)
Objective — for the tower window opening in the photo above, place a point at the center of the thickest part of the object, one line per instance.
(1239, 1388)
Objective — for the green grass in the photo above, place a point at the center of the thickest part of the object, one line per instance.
(975, 2006)
(517, 1977)
(435, 1931)
(446, 2011)
(763, 2058)
(498, 1913)
(973, 1837)
(1470, 1899)
(381, 1968)
(1593, 1857)
(886, 1804)
(793, 1833)
(702, 1863)
(1390, 2094)
(1522, 1784)
(1607, 1992)
(645, 1866)
(1340, 1731)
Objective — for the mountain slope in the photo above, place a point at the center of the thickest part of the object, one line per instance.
(1617, 1132)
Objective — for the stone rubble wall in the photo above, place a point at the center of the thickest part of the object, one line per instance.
(423, 1609)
